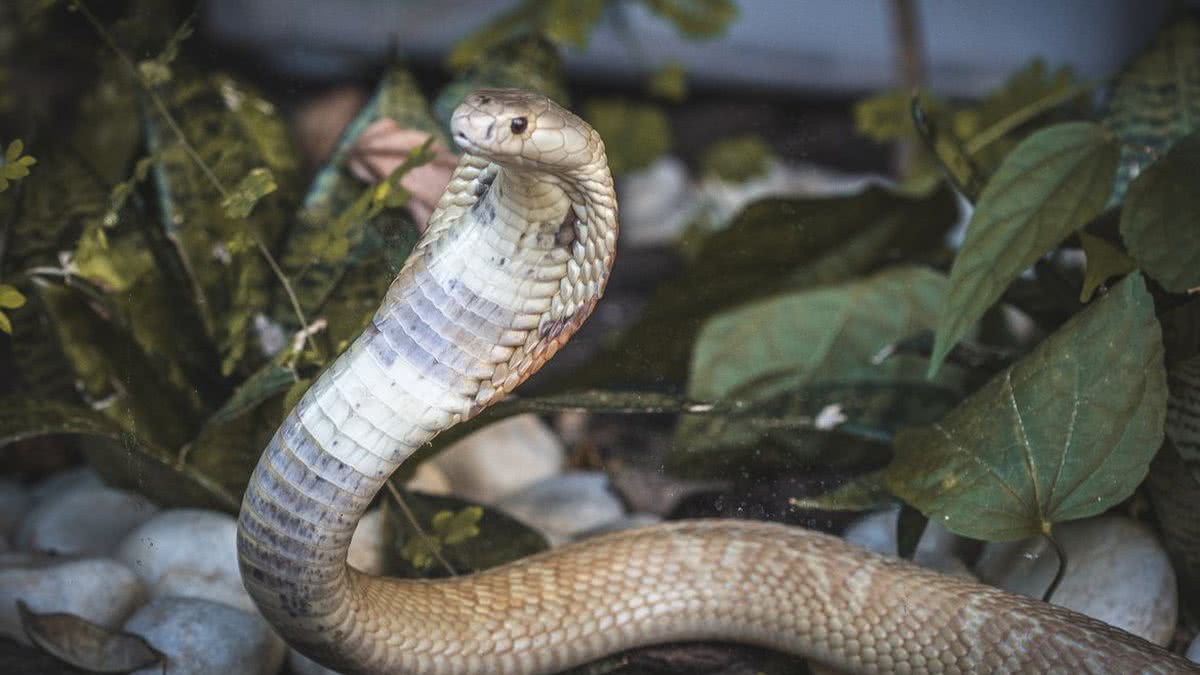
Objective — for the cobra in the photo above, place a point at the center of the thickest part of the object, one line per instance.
(515, 257)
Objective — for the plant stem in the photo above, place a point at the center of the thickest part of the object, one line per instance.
(412, 520)
(161, 106)
(1062, 567)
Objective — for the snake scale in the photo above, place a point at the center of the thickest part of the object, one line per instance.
(515, 257)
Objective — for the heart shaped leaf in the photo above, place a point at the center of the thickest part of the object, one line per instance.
(1065, 433)
(1158, 220)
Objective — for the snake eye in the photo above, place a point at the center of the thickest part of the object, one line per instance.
(518, 125)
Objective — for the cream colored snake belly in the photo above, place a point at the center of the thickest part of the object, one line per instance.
(515, 257)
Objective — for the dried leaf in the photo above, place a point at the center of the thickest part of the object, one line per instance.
(86, 645)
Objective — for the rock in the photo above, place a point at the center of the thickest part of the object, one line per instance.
(501, 458)
(366, 546)
(71, 480)
(200, 637)
(565, 505)
(938, 548)
(1193, 650)
(85, 520)
(1117, 572)
(100, 590)
(188, 553)
(628, 522)
(14, 502)
(430, 479)
(656, 202)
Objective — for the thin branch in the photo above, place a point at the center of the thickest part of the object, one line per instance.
(1062, 566)
(191, 152)
(411, 517)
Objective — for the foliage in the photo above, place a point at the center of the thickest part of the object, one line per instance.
(636, 133)
(15, 164)
(10, 298)
(571, 22)
(1053, 183)
(737, 159)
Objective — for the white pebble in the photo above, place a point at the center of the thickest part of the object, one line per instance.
(501, 458)
(100, 590)
(200, 637)
(565, 505)
(84, 521)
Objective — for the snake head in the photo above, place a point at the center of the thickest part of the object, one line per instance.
(516, 128)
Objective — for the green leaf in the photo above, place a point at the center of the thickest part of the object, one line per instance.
(822, 335)
(861, 493)
(326, 241)
(268, 382)
(800, 356)
(772, 245)
(1156, 99)
(571, 22)
(14, 150)
(128, 460)
(738, 159)
(454, 528)
(1053, 182)
(699, 19)
(1160, 214)
(5, 324)
(1065, 433)
(257, 184)
(531, 62)
(1104, 261)
(635, 133)
(470, 537)
(669, 82)
(10, 297)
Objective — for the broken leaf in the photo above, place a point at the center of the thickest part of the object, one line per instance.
(1055, 181)
(86, 645)
(1065, 433)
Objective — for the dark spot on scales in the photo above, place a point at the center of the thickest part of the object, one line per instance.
(565, 236)
(484, 210)
(490, 129)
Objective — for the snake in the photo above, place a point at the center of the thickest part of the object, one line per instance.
(516, 255)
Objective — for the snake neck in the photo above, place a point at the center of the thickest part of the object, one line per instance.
(489, 294)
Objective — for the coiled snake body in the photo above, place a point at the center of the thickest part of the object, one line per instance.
(515, 257)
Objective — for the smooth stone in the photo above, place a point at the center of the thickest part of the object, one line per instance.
(88, 520)
(565, 505)
(1193, 650)
(1117, 572)
(938, 548)
(430, 479)
(627, 522)
(722, 200)
(188, 553)
(502, 458)
(366, 545)
(14, 502)
(657, 202)
(200, 637)
(71, 480)
(101, 590)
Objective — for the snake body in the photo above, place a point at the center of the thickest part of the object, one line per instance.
(515, 257)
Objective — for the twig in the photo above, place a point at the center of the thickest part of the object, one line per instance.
(412, 520)
(928, 134)
(1062, 566)
(190, 151)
